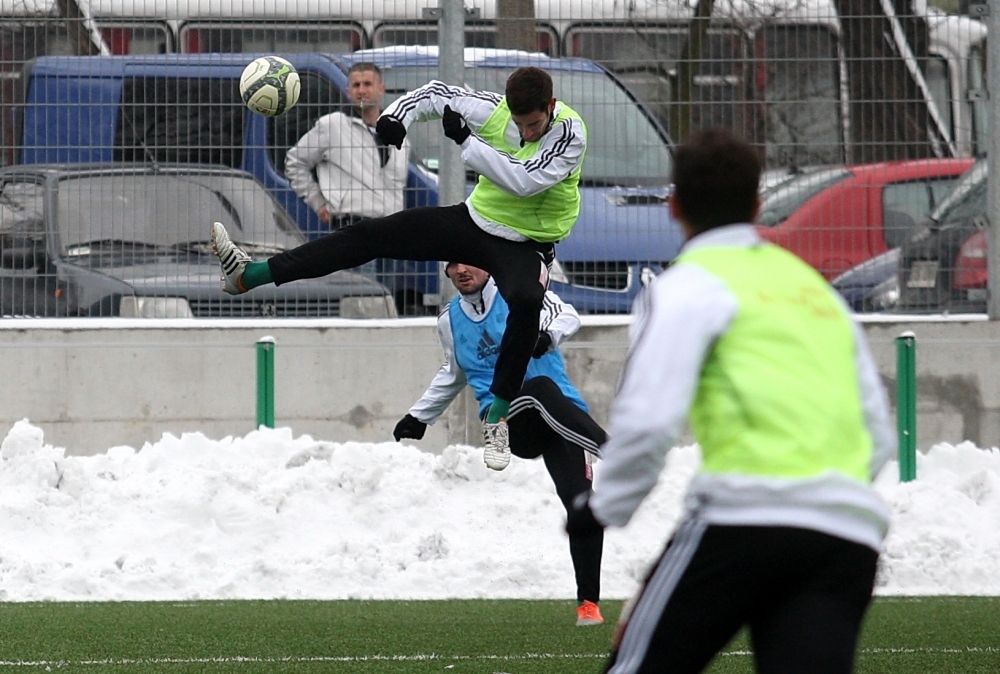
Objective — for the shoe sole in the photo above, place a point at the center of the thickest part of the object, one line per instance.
(494, 464)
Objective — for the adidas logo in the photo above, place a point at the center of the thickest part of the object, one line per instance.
(486, 347)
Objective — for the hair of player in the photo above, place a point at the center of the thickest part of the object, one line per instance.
(365, 67)
(528, 89)
(716, 178)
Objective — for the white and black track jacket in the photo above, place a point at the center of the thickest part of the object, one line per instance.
(557, 318)
(677, 320)
(560, 153)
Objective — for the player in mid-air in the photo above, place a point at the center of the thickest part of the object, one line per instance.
(528, 150)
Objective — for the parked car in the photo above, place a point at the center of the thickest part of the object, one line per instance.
(772, 179)
(187, 107)
(838, 217)
(172, 108)
(127, 240)
(872, 285)
(943, 265)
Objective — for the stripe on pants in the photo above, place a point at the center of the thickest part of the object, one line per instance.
(656, 594)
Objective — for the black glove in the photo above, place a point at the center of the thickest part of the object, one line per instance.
(391, 131)
(580, 520)
(409, 427)
(455, 126)
(542, 345)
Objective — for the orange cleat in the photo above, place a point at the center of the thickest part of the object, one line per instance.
(588, 613)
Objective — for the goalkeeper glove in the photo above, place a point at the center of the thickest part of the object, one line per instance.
(455, 126)
(391, 131)
(409, 427)
(543, 344)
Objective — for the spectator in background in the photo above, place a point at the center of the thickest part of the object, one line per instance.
(548, 418)
(340, 167)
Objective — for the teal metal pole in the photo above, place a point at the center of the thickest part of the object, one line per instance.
(265, 382)
(906, 404)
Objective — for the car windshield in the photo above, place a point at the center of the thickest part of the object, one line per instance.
(22, 208)
(168, 210)
(967, 200)
(785, 199)
(623, 147)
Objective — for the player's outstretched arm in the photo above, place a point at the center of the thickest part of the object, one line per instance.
(559, 154)
(678, 318)
(429, 101)
(447, 383)
(409, 427)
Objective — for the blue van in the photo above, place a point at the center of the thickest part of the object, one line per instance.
(187, 108)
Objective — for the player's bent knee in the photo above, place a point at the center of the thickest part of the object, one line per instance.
(539, 386)
(526, 299)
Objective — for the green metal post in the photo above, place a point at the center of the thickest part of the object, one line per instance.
(906, 404)
(265, 382)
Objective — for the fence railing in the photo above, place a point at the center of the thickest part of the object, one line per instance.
(828, 90)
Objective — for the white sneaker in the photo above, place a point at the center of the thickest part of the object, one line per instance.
(497, 438)
(233, 258)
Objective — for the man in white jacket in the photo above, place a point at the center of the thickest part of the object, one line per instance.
(357, 175)
(783, 529)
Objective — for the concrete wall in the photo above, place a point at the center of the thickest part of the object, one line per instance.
(92, 384)
(958, 377)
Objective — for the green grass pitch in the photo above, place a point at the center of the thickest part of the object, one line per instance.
(902, 635)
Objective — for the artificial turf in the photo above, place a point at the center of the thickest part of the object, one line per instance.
(901, 635)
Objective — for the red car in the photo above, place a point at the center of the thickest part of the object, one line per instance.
(835, 218)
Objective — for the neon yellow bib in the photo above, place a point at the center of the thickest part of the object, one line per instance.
(778, 394)
(546, 216)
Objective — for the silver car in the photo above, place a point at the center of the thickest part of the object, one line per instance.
(124, 240)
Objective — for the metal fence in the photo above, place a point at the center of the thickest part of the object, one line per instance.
(123, 136)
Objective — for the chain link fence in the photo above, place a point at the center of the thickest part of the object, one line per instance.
(123, 136)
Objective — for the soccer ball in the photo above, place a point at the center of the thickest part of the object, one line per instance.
(269, 86)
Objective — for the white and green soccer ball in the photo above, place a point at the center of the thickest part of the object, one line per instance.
(270, 86)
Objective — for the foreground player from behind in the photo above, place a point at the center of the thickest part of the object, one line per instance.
(783, 528)
(548, 418)
(528, 150)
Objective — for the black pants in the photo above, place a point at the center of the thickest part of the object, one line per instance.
(802, 593)
(520, 269)
(543, 422)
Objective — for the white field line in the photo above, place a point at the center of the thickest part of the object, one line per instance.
(421, 657)
(897, 651)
